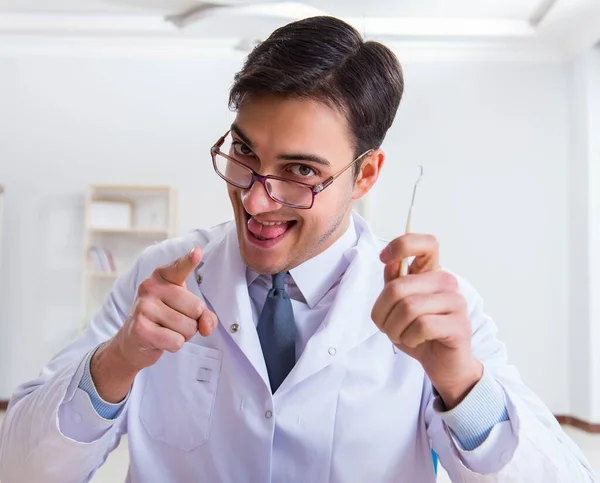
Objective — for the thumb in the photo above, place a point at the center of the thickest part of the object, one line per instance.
(178, 271)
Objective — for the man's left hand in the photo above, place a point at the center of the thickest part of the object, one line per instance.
(425, 316)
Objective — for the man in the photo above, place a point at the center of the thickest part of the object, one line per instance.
(271, 360)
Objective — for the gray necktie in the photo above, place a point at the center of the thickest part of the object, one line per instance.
(277, 332)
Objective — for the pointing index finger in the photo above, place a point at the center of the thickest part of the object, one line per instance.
(178, 271)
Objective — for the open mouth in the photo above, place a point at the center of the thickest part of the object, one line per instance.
(267, 233)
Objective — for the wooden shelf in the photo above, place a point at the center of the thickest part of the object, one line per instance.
(131, 231)
(151, 219)
(137, 188)
(104, 275)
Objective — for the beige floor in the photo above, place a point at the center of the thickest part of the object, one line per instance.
(115, 468)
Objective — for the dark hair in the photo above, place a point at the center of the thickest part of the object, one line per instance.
(325, 59)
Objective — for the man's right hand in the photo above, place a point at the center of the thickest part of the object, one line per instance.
(164, 316)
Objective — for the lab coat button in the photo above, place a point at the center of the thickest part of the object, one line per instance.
(77, 418)
(268, 415)
(233, 328)
(198, 274)
(332, 351)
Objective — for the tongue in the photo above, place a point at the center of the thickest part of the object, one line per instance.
(267, 232)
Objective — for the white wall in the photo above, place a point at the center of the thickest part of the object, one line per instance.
(493, 138)
(66, 123)
(580, 341)
(584, 243)
(594, 221)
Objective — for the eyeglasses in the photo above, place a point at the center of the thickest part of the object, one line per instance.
(294, 194)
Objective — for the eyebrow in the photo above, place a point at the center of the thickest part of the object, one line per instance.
(304, 157)
(313, 158)
(236, 129)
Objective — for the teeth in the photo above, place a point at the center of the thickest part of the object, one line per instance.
(272, 223)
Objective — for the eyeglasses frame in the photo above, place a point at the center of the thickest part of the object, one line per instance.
(262, 179)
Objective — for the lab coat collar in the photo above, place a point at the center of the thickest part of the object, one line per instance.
(316, 276)
(224, 286)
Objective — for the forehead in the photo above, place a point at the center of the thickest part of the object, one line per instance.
(277, 125)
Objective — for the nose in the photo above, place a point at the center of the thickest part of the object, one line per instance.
(256, 200)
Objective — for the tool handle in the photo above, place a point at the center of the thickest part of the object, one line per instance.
(404, 263)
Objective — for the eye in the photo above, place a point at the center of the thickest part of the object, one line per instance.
(241, 149)
(302, 171)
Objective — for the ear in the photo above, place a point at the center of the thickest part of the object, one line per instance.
(369, 173)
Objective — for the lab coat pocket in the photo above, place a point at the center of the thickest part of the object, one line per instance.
(179, 396)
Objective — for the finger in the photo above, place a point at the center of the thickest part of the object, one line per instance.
(178, 271)
(428, 328)
(176, 321)
(182, 300)
(410, 308)
(424, 248)
(207, 323)
(160, 337)
(392, 270)
(160, 314)
(398, 288)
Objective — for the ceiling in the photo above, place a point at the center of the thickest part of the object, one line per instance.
(566, 27)
(505, 9)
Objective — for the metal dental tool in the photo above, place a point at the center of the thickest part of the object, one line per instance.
(404, 264)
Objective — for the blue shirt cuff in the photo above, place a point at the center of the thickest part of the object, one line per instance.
(474, 418)
(104, 409)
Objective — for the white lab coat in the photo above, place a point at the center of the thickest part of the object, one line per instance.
(350, 411)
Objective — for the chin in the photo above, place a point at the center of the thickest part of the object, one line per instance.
(264, 262)
(264, 269)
